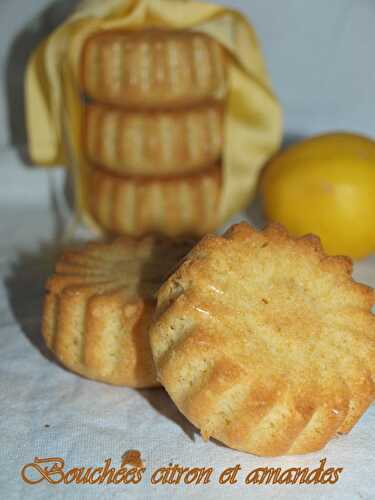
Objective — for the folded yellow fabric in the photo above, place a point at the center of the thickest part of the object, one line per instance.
(55, 115)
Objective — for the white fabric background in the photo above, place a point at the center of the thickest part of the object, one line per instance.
(320, 57)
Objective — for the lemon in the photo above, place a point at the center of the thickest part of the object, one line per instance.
(325, 185)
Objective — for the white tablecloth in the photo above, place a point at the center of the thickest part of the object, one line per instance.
(46, 411)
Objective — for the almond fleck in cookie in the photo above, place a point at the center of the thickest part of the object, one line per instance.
(100, 303)
(265, 343)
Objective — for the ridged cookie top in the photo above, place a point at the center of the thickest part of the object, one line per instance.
(153, 68)
(265, 343)
(136, 267)
(100, 303)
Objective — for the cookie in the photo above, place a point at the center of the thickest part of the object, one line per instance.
(154, 143)
(153, 68)
(99, 305)
(265, 343)
(174, 206)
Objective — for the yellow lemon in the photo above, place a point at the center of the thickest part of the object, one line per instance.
(325, 185)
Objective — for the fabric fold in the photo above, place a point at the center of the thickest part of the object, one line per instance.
(54, 108)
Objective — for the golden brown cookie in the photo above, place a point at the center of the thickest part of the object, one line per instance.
(154, 143)
(99, 305)
(135, 206)
(153, 68)
(265, 343)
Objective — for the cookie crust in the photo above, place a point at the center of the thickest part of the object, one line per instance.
(153, 68)
(157, 143)
(265, 343)
(99, 305)
(173, 206)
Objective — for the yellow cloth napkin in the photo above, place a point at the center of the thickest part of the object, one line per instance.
(54, 110)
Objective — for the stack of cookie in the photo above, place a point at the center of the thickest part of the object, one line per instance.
(153, 133)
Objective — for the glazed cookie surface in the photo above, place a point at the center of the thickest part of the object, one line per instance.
(99, 305)
(265, 343)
